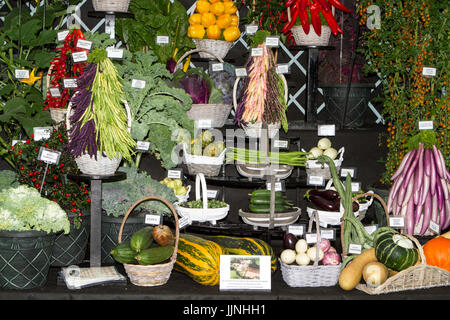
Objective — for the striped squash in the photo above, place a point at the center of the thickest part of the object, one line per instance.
(245, 246)
(199, 259)
(395, 251)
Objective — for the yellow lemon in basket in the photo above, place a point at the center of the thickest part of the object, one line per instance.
(214, 1)
(231, 34)
(208, 19)
(230, 7)
(224, 21)
(196, 18)
(217, 8)
(202, 6)
(213, 32)
(196, 31)
(234, 20)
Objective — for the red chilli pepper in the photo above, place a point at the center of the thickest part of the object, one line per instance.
(289, 3)
(338, 5)
(325, 5)
(328, 15)
(303, 15)
(294, 15)
(315, 18)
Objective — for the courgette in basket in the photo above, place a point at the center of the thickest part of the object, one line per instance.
(123, 253)
(142, 239)
(154, 255)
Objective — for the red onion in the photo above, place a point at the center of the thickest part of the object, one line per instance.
(331, 258)
(332, 249)
(324, 245)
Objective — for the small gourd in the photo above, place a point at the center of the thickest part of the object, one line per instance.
(375, 273)
(437, 252)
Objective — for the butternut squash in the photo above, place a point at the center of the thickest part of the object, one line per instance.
(445, 235)
(352, 273)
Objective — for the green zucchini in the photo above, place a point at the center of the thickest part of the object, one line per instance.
(266, 201)
(264, 193)
(142, 239)
(123, 253)
(266, 208)
(154, 255)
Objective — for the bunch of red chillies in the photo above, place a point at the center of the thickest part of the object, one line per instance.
(299, 10)
(63, 67)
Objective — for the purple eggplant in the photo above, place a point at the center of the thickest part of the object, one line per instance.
(426, 214)
(324, 204)
(447, 215)
(444, 188)
(404, 164)
(327, 194)
(433, 174)
(437, 162)
(413, 166)
(289, 241)
(410, 216)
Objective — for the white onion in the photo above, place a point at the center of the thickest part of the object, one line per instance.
(301, 246)
(324, 143)
(302, 259)
(312, 254)
(315, 153)
(331, 152)
(288, 256)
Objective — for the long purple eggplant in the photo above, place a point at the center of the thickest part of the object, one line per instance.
(440, 196)
(437, 162)
(426, 214)
(427, 166)
(426, 188)
(433, 174)
(404, 164)
(442, 217)
(413, 166)
(401, 195)
(409, 219)
(397, 186)
(409, 191)
(418, 210)
(444, 188)
(434, 208)
(420, 170)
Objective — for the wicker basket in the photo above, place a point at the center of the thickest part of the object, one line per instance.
(58, 115)
(312, 275)
(157, 274)
(254, 130)
(212, 49)
(313, 168)
(420, 276)
(209, 166)
(280, 219)
(312, 38)
(111, 5)
(102, 165)
(204, 214)
(216, 113)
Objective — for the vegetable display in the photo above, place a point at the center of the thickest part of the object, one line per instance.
(99, 122)
(263, 99)
(214, 20)
(310, 11)
(144, 248)
(244, 155)
(420, 190)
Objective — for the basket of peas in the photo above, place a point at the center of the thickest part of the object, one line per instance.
(202, 209)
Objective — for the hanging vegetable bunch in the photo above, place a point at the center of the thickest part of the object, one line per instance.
(62, 67)
(310, 12)
(420, 192)
(263, 99)
(215, 20)
(99, 121)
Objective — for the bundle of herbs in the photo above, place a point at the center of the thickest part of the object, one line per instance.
(263, 98)
(99, 122)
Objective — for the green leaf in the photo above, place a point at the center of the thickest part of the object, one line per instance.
(13, 109)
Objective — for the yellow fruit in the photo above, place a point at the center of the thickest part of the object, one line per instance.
(230, 7)
(213, 32)
(208, 19)
(214, 1)
(202, 6)
(231, 34)
(224, 21)
(234, 20)
(196, 31)
(217, 8)
(196, 18)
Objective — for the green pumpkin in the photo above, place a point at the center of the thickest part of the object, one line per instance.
(396, 251)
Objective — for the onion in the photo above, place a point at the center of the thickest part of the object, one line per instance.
(312, 254)
(331, 258)
(331, 152)
(324, 245)
(288, 256)
(315, 153)
(301, 246)
(332, 249)
(302, 259)
(324, 143)
(163, 235)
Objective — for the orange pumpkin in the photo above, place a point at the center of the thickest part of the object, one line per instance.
(437, 252)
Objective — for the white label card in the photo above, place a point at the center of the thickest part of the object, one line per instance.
(142, 145)
(282, 68)
(257, 52)
(251, 29)
(84, 44)
(42, 133)
(114, 53)
(297, 230)
(138, 84)
(62, 35)
(240, 72)
(327, 234)
(434, 227)
(244, 272)
(315, 180)
(426, 125)
(174, 174)
(326, 130)
(49, 156)
(79, 56)
(21, 74)
(282, 144)
(429, 72)
(311, 237)
(154, 219)
(211, 194)
(204, 123)
(273, 41)
(371, 229)
(54, 92)
(217, 67)
(70, 83)
(346, 171)
(354, 248)
(396, 222)
(184, 222)
(162, 40)
(13, 142)
(278, 186)
(356, 186)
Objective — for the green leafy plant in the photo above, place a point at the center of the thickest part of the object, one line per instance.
(413, 35)
(158, 110)
(119, 196)
(22, 208)
(8, 178)
(152, 19)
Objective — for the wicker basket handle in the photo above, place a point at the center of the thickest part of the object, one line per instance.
(315, 217)
(179, 62)
(201, 191)
(168, 204)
